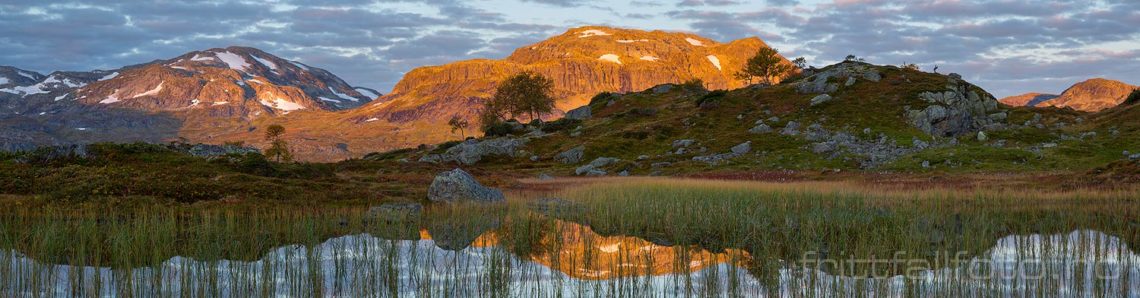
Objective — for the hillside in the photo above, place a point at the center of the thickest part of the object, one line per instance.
(878, 118)
(1090, 96)
(582, 62)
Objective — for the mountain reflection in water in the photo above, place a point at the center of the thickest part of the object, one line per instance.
(576, 261)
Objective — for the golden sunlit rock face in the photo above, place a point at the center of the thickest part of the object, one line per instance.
(1091, 96)
(582, 62)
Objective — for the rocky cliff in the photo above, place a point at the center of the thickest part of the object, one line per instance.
(582, 62)
(1091, 96)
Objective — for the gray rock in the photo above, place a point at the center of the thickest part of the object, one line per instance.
(581, 113)
(683, 143)
(982, 136)
(823, 147)
(1049, 145)
(850, 81)
(642, 157)
(659, 89)
(459, 186)
(545, 176)
(955, 111)
(760, 128)
(661, 164)
(1134, 156)
(791, 129)
(742, 148)
(926, 164)
(774, 119)
(572, 156)
(919, 144)
(624, 173)
(820, 99)
(955, 76)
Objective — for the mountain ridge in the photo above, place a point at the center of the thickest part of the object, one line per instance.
(1092, 95)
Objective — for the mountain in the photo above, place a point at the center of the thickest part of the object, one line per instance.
(226, 95)
(1091, 96)
(203, 96)
(582, 62)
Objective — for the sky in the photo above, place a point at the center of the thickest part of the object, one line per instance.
(1006, 47)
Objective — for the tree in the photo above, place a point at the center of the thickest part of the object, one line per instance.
(766, 64)
(526, 93)
(458, 123)
(278, 148)
(800, 63)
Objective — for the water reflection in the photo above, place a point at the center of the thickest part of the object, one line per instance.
(573, 260)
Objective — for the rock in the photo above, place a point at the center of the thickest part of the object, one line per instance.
(572, 156)
(926, 164)
(683, 143)
(581, 113)
(850, 81)
(742, 148)
(820, 99)
(592, 169)
(472, 151)
(955, 111)
(774, 119)
(660, 164)
(823, 147)
(955, 76)
(867, 130)
(395, 212)
(919, 144)
(1049, 145)
(664, 88)
(642, 157)
(624, 173)
(999, 117)
(760, 128)
(1134, 156)
(459, 186)
(982, 136)
(545, 176)
(791, 129)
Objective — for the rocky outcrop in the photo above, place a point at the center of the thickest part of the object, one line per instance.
(959, 109)
(734, 152)
(472, 151)
(594, 168)
(581, 113)
(458, 186)
(825, 80)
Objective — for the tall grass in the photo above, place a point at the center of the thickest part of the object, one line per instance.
(635, 237)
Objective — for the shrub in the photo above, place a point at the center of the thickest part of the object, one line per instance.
(560, 125)
(711, 98)
(602, 97)
(498, 129)
(694, 85)
(388, 155)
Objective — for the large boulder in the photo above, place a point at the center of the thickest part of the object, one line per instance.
(594, 168)
(459, 186)
(818, 82)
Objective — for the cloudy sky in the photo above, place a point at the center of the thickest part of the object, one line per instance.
(1007, 47)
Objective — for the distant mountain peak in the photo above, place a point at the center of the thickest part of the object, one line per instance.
(1091, 95)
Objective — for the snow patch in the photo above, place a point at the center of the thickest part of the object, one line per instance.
(151, 92)
(179, 67)
(342, 95)
(328, 99)
(201, 58)
(631, 40)
(592, 32)
(715, 61)
(649, 58)
(611, 58)
(255, 81)
(612, 248)
(265, 62)
(694, 42)
(299, 64)
(372, 119)
(282, 104)
(113, 98)
(195, 102)
(234, 61)
(81, 128)
(110, 76)
(218, 103)
(4, 80)
(61, 97)
(367, 93)
(26, 74)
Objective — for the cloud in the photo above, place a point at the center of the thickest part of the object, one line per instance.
(1009, 46)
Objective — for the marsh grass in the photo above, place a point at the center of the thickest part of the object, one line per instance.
(631, 237)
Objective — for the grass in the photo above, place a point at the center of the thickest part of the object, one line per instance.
(620, 237)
